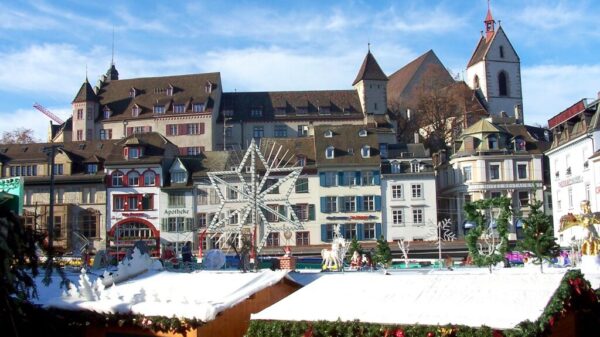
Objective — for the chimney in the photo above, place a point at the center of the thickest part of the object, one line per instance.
(518, 114)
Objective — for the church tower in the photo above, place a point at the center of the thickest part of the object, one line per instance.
(371, 85)
(495, 71)
(85, 112)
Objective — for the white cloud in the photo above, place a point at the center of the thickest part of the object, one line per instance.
(48, 69)
(19, 20)
(551, 16)
(438, 20)
(549, 89)
(31, 119)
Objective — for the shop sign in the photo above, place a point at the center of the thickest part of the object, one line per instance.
(177, 211)
(570, 181)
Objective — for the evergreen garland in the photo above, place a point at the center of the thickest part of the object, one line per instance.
(476, 212)
(539, 240)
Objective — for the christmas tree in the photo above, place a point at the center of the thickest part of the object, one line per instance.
(539, 241)
(383, 253)
(355, 247)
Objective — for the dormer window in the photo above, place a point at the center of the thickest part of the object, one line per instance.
(347, 110)
(414, 166)
(178, 177)
(330, 152)
(135, 111)
(301, 161)
(324, 110)
(365, 151)
(91, 168)
(198, 107)
(301, 110)
(350, 151)
(492, 142)
(362, 133)
(159, 109)
(228, 112)
(208, 87)
(132, 92)
(170, 90)
(280, 111)
(396, 167)
(179, 108)
(132, 152)
(256, 112)
(328, 134)
(107, 112)
(520, 144)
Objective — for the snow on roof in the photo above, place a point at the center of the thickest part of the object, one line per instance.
(201, 295)
(471, 297)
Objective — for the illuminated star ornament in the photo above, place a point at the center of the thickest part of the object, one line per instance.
(247, 195)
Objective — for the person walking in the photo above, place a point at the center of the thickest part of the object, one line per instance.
(186, 252)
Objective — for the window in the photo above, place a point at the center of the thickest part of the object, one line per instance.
(467, 173)
(350, 204)
(302, 211)
(368, 203)
(369, 231)
(570, 197)
(179, 108)
(198, 107)
(57, 227)
(105, 134)
(503, 84)
(302, 238)
(302, 185)
(280, 131)
(134, 152)
(174, 224)
(367, 178)
(362, 133)
(417, 191)
(396, 167)
(193, 129)
(138, 129)
(201, 219)
(328, 134)
(414, 166)
(330, 179)
(418, 216)
(365, 151)
(398, 217)
(133, 178)
(202, 197)
(135, 111)
(194, 150)
(176, 200)
(79, 114)
(492, 142)
(301, 161)
(232, 194)
(159, 109)
(256, 112)
(324, 110)
(258, 132)
(494, 195)
(329, 152)
(331, 204)
(587, 192)
(383, 150)
(301, 110)
(350, 178)
(501, 50)
(521, 171)
(89, 225)
(132, 202)
(149, 178)
(172, 130)
(147, 201)
(58, 169)
(302, 130)
(117, 178)
(494, 171)
(476, 82)
(119, 203)
(349, 231)
(178, 177)
(234, 218)
(280, 111)
(397, 192)
(273, 240)
(79, 135)
(524, 198)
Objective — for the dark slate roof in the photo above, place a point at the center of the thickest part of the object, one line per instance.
(403, 150)
(155, 149)
(531, 134)
(345, 137)
(291, 148)
(293, 105)
(112, 73)
(85, 94)
(187, 89)
(370, 70)
(406, 79)
(480, 50)
(212, 161)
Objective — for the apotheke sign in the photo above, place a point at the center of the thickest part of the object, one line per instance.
(177, 211)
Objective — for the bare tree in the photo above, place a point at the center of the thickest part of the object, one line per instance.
(18, 136)
(405, 248)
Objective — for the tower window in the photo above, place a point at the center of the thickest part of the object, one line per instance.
(503, 84)
(501, 52)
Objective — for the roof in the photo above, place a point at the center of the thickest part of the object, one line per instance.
(427, 298)
(370, 70)
(482, 126)
(149, 91)
(155, 146)
(164, 293)
(211, 161)
(85, 94)
(347, 146)
(292, 105)
(480, 50)
(296, 147)
(406, 79)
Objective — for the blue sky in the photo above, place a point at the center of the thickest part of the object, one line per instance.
(45, 46)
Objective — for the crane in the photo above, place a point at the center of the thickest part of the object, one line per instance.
(47, 112)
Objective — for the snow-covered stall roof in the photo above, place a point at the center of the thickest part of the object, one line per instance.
(471, 297)
(200, 295)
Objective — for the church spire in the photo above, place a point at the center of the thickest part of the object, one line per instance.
(489, 24)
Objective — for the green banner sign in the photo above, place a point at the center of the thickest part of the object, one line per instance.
(11, 194)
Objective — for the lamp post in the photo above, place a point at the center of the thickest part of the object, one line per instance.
(51, 151)
(225, 119)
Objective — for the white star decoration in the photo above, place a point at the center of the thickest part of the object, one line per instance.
(253, 198)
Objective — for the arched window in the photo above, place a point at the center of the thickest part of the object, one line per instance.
(503, 84)
(133, 178)
(476, 82)
(149, 178)
(117, 178)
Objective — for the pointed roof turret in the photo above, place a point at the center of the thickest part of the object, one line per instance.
(85, 94)
(370, 70)
(489, 24)
(112, 74)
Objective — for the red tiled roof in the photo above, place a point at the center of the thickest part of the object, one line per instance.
(370, 70)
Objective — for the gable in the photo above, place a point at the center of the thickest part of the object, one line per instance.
(501, 40)
(177, 166)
